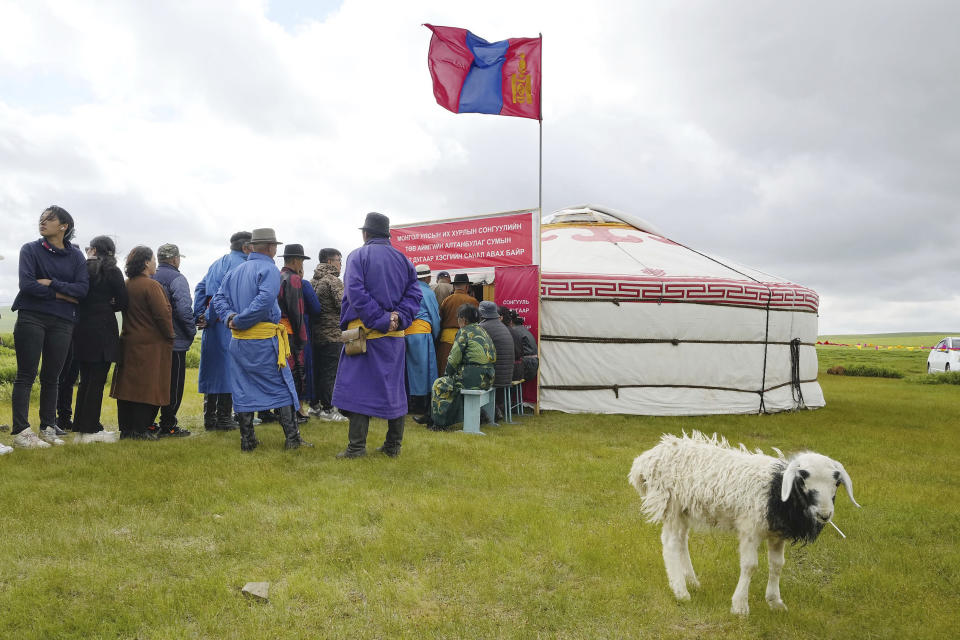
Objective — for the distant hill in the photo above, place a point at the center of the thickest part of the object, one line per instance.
(909, 339)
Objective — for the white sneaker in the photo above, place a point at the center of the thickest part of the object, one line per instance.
(5, 449)
(50, 435)
(27, 439)
(99, 436)
(332, 416)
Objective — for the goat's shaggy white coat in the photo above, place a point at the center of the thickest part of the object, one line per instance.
(696, 481)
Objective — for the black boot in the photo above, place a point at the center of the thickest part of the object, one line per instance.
(391, 444)
(290, 429)
(210, 411)
(248, 439)
(427, 417)
(359, 425)
(225, 421)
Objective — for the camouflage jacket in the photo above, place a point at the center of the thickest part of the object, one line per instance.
(329, 288)
(472, 345)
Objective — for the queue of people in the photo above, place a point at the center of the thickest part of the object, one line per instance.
(275, 345)
(472, 336)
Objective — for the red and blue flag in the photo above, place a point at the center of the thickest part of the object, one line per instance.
(471, 75)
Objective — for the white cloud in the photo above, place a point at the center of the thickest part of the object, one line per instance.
(814, 141)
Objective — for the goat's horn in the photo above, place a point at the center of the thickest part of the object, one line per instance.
(847, 483)
(789, 475)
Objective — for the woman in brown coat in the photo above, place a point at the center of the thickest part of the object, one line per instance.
(141, 382)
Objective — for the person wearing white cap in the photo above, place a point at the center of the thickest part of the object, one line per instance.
(421, 337)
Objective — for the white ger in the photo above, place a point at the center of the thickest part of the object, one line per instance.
(699, 481)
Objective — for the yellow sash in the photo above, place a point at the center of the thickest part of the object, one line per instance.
(448, 335)
(264, 331)
(373, 334)
(419, 326)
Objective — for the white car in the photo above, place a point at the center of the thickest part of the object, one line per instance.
(945, 356)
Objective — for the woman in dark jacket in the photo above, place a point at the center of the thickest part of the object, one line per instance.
(53, 279)
(97, 338)
(141, 383)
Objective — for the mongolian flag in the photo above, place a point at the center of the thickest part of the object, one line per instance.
(471, 75)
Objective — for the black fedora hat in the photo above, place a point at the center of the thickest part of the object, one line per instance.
(294, 251)
(376, 224)
(461, 278)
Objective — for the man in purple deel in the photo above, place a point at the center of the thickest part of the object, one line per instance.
(381, 296)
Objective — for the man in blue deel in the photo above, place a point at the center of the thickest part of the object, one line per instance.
(213, 380)
(260, 377)
(420, 337)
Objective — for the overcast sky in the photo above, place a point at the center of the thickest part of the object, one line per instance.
(817, 141)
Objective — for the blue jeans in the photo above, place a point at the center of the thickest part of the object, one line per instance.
(38, 334)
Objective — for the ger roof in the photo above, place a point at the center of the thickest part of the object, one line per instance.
(595, 251)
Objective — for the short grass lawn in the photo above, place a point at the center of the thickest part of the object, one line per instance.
(529, 532)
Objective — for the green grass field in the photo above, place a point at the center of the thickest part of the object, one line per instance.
(530, 532)
(918, 339)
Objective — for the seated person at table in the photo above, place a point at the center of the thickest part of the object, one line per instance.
(469, 366)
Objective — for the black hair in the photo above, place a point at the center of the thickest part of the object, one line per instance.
(137, 260)
(517, 318)
(469, 313)
(239, 239)
(65, 218)
(506, 315)
(791, 519)
(326, 254)
(106, 252)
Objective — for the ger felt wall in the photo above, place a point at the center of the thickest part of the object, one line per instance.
(673, 358)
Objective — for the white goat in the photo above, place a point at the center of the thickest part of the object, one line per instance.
(696, 481)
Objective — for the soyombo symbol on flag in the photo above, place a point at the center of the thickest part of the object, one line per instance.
(471, 75)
